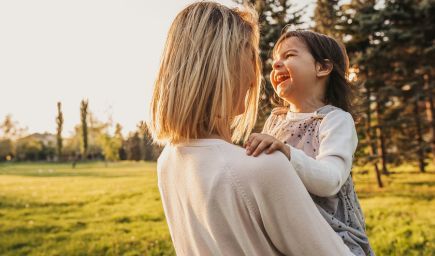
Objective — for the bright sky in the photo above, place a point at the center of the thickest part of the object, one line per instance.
(107, 51)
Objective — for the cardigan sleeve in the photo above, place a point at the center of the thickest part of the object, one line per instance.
(324, 175)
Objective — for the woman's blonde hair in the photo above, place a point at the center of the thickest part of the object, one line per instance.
(200, 75)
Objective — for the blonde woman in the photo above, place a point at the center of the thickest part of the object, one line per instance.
(217, 200)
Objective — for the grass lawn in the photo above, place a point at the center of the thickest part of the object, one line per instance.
(52, 209)
(400, 217)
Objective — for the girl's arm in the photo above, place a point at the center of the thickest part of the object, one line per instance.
(338, 139)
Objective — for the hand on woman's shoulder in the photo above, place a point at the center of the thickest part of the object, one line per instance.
(251, 169)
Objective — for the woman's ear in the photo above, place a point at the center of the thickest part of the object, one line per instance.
(324, 69)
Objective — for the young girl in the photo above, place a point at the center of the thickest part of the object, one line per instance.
(314, 129)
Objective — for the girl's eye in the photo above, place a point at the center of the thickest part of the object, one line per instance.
(289, 55)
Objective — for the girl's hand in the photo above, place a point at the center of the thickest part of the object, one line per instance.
(258, 142)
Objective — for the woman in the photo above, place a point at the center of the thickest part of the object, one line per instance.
(217, 200)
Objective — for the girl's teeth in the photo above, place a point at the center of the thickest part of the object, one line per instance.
(281, 78)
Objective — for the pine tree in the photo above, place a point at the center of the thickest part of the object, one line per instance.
(394, 57)
(326, 18)
(133, 147)
(359, 22)
(411, 51)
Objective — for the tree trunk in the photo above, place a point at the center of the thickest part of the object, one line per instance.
(420, 150)
(430, 111)
(381, 140)
(372, 145)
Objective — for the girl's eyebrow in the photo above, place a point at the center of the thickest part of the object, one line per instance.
(284, 53)
(290, 50)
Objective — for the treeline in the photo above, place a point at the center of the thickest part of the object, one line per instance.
(92, 139)
(391, 47)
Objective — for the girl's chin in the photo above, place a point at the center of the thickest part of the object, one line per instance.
(282, 89)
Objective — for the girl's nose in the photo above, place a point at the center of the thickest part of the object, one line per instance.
(277, 64)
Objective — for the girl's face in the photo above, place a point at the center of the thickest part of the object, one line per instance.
(294, 71)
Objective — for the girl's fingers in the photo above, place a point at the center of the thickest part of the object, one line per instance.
(272, 148)
(261, 147)
(249, 140)
(246, 143)
(252, 146)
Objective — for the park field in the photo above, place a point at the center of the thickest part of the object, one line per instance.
(94, 209)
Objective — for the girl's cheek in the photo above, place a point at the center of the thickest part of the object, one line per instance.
(272, 77)
(289, 64)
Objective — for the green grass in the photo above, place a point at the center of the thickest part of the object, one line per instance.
(400, 217)
(52, 209)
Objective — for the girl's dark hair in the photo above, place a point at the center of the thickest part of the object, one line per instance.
(322, 47)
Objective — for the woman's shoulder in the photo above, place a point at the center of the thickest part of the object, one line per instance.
(237, 154)
(250, 169)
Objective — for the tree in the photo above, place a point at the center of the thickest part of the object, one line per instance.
(96, 129)
(119, 137)
(6, 149)
(429, 87)
(147, 145)
(10, 129)
(359, 23)
(28, 148)
(326, 18)
(111, 146)
(84, 126)
(395, 60)
(59, 122)
(411, 49)
(71, 146)
(133, 147)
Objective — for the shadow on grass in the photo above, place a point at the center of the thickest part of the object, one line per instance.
(419, 196)
(420, 183)
(87, 169)
(13, 203)
(72, 173)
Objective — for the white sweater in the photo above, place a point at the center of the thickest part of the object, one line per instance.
(219, 201)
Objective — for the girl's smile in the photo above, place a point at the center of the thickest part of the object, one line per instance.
(283, 80)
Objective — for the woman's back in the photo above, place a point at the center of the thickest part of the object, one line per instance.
(219, 201)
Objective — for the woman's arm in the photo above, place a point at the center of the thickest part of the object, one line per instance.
(289, 215)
